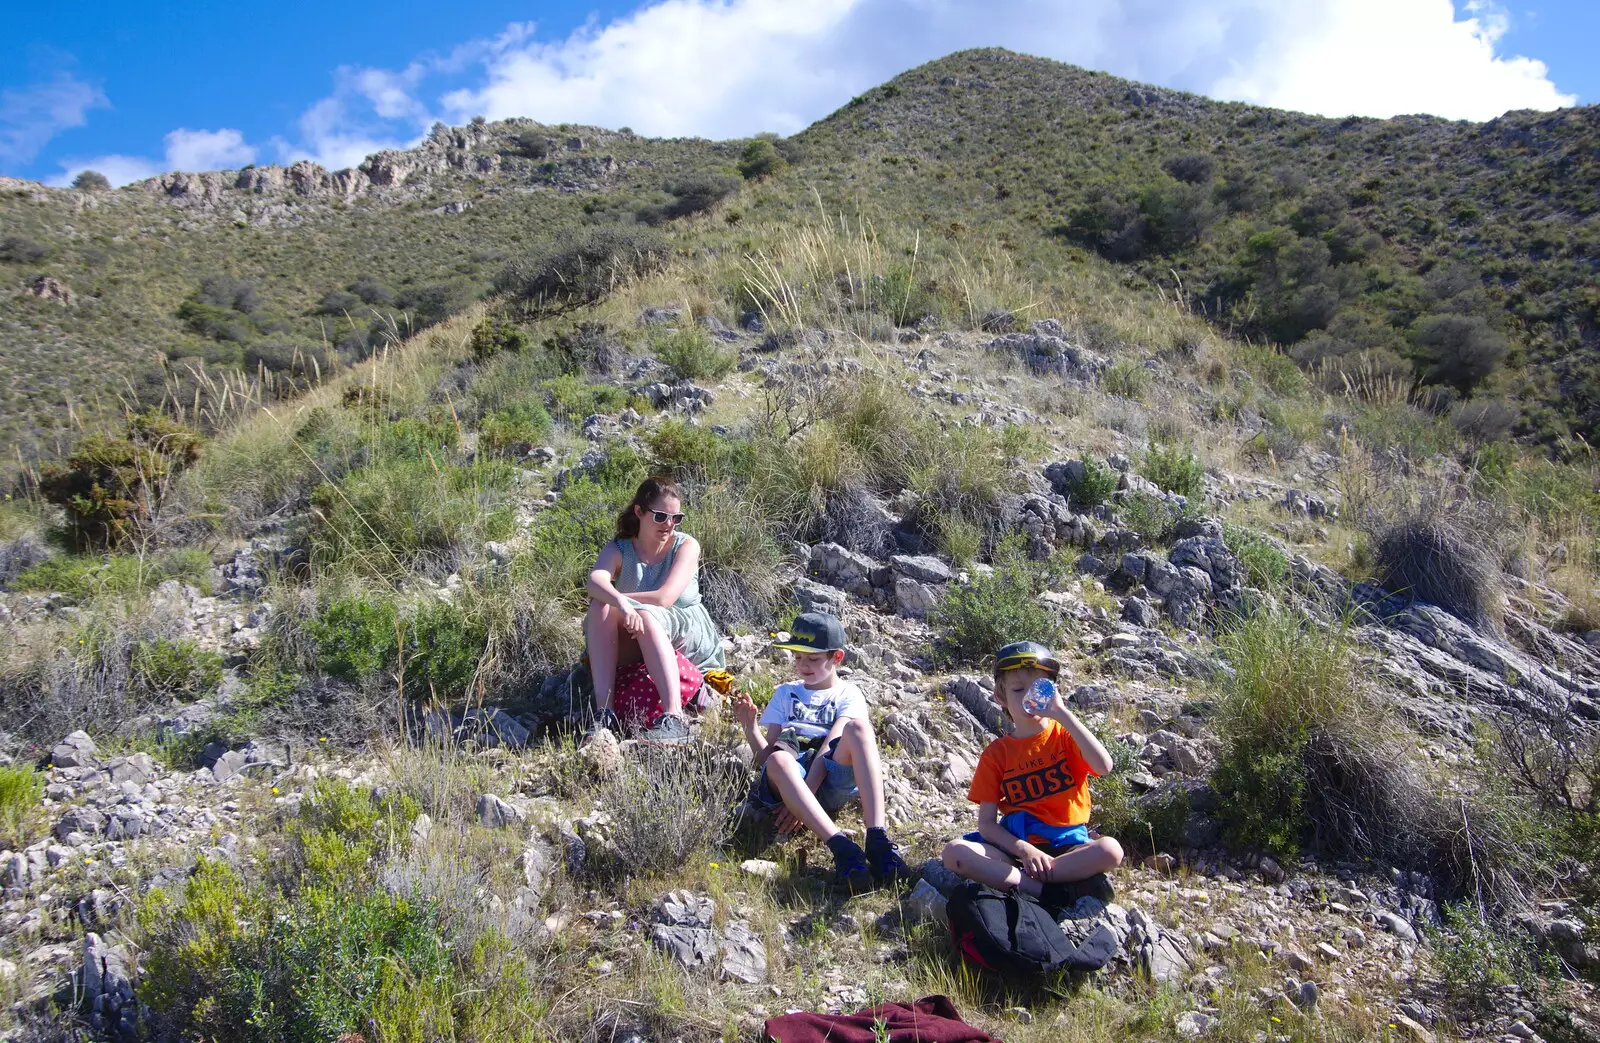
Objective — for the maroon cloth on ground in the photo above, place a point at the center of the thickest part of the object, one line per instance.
(636, 701)
(929, 1020)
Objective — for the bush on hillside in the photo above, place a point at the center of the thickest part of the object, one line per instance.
(179, 670)
(588, 347)
(1153, 518)
(1192, 168)
(995, 608)
(91, 181)
(21, 790)
(1175, 469)
(1460, 351)
(585, 270)
(740, 558)
(759, 159)
(492, 336)
(691, 195)
(338, 302)
(17, 249)
(1430, 559)
(434, 302)
(1095, 486)
(516, 428)
(372, 291)
(112, 488)
(1126, 378)
(532, 143)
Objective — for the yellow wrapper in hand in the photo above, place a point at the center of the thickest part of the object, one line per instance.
(721, 680)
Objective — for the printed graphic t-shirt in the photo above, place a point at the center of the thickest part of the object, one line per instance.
(1045, 775)
(812, 712)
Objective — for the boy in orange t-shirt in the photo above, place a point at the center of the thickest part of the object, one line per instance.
(1032, 792)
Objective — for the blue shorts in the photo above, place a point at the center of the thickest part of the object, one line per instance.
(838, 789)
(1055, 839)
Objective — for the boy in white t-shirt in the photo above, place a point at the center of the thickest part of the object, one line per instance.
(822, 714)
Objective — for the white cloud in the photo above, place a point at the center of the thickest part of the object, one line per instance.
(31, 116)
(208, 150)
(732, 67)
(190, 150)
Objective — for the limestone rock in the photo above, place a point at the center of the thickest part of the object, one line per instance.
(496, 813)
(75, 751)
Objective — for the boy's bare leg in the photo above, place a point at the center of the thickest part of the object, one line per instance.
(987, 865)
(784, 774)
(1100, 855)
(858, 750)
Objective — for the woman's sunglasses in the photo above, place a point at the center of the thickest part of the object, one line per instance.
(662, 517)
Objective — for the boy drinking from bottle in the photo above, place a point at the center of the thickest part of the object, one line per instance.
(1032, 792)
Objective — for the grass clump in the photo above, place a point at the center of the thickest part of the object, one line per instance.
(514, 428)
(1175, 469)
(179, 669)
(21, 789)
(89, 576)
(667, 808)
(1126, 378)
(691, 354)
(385, 517)
(1428, 558)
(1292, 698)
(995, 608)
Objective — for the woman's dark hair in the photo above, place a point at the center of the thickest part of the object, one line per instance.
(650, 490)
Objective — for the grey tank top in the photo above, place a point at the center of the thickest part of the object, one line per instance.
(636, 576)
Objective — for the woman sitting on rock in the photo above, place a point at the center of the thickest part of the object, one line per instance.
(644, 603)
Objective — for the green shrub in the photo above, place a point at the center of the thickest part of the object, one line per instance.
(1126, 378)
(492, 336)
(1460, 351)
(1266, 565)
(691, 354)
(523, 425)
(568, 535)
(685, 451)
(112, 488)
(666, 809)
(1153, 517)
(570, 398)
(177, 669)
(1003, 606)
(759, 159)
(17, 249)
(355, 637)
(21, 789)
(1174, 468)
(1143, 822)
(411, 438)
(1095, 487)
(1292, 689)
(442, 645)
(91, 181)
(1476, 958)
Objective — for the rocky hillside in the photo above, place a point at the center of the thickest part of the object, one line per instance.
(1380, 251)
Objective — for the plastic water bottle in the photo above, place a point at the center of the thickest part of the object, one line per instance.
(1039, 695)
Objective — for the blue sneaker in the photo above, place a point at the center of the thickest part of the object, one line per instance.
(883, 859)
(850, 865)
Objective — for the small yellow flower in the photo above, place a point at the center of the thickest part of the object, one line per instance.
(274, 790)
(323, 739)
(1276, 1018)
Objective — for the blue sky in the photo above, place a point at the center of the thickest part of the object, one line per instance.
(135, 89)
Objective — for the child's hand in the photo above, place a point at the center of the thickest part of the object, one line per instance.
(745, 708)
(1035, 863)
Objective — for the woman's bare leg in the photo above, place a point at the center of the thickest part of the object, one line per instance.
(609, 648)
(662, 661)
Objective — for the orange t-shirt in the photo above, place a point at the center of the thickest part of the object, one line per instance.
(1045, 775)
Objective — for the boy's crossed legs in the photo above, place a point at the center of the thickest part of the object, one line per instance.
(989, 865)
